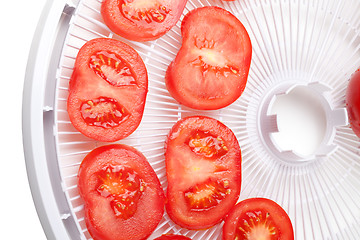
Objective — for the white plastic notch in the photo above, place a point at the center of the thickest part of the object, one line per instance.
(47, 108)
(297, 122)
(65, 216)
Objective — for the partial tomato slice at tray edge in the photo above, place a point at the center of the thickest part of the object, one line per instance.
(172, 237)
(352, 99)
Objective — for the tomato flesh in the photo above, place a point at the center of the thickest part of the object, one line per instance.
(203, 168)
(258, 218)
(211, 68)
(353, 102)
(104, 112)
(123, 187)
(141, 20)
(256, 225)
(112, 68)
(107, 90)
(122, 194)
(211, 59)
(206, 195)
(145, 10)
(206, 145)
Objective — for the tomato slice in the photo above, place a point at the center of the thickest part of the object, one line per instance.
(122, 194)
(141, 20)
(353, 102)
(203, 167)
(257, 218)
(172, 237)
(107, 90)
(211, 68)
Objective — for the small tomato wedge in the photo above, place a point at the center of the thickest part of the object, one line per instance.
(203, 168)
(141, 20)
(172, 237)
(211, 68)
(353, 102)
(122, 194)
(107, 90)
(258, 218)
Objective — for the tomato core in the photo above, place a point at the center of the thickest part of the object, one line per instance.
(144, 11)
(256, 225)
(112, 69)
(206, 195)
(124, 187)
(210, 59)
(103, 112)
(207, 145)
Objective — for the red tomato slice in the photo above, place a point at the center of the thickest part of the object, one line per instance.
(211, 68)
(141, 20)
(353, 102)
(203, 167)
(122, 194)
(172, 237)
(258, 218)
(107, 90)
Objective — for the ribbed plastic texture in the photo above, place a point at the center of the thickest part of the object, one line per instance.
(313, 44)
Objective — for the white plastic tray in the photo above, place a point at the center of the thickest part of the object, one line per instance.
(303, 55)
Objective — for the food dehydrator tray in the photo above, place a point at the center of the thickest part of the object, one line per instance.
(291, 121)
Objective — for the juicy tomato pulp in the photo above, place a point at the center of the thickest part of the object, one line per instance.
(258, 218)
(203, 167)
(211, 68)
(122, 194)
(353, 102)
(107, 90)
(123, 187)
(172, 237)
(141, 20)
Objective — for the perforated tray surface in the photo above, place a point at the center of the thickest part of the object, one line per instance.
(294, 41)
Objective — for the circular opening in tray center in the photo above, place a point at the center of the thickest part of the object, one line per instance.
(301, 121)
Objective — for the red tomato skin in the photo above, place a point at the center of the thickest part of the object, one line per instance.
(100, 220)
(135, 31)
(353, 102)
(283, 221)
(184, 81)
(172, 237)
(175, 205)
(85, 85)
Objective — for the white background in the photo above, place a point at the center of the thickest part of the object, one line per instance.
(18, 21)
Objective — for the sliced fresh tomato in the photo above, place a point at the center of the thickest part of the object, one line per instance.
(258, 218)
(203, 168)
(172, 237)
(211, 68)
(141, 20)
(353, 102)
(122, 194)
(107, 90)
